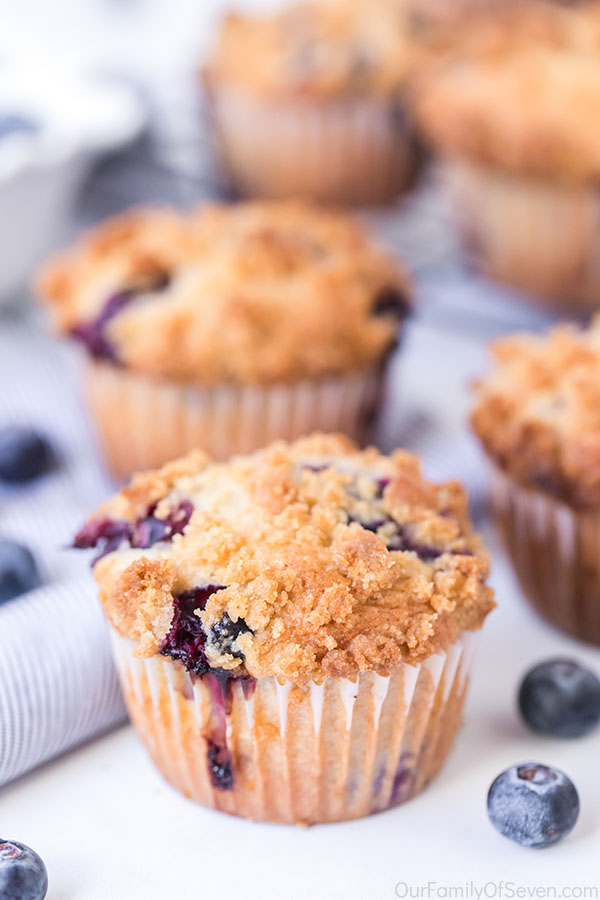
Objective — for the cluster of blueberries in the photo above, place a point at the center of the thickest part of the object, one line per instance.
(533, 804)
(24, 455)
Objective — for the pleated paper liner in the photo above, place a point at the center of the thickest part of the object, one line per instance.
(143, 422)
(531, 234)
(279, 753)
(350, 151)
(555, 551)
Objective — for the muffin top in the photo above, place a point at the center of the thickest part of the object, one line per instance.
(538, 412)
(258, 292)
(315, 49)
(520, 91)
(302, 561)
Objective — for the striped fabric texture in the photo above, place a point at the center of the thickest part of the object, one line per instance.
(58, 686)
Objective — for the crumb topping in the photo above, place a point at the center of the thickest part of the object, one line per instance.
(538, 412)
(253, 293)
(342, 47)
(300, 561)
(520, 91)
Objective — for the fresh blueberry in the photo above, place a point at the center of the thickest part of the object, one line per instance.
(560, 698)
(533, 804)
(224, 634)
(24, 454)
(18, 571)
(23, 875)
(13, 123)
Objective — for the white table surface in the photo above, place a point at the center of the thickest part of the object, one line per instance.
(109, 827)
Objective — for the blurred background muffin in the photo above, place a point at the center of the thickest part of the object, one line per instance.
(513, 110)
(227, 328)
(537, 415)
(308, 101)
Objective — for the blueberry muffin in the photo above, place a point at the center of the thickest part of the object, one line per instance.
(513, 111)
(537, 415)
(293, 629)
(227, 328)
(310, 101)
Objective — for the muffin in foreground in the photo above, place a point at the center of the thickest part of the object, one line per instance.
(227, 328)
(537, 415)
(293, 629)
(309, 101)
(513, 111)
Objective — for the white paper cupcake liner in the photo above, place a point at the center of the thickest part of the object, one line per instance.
(555, 551)
(444, 11)
(532, 234)
(143, 423)
(354, 151)
(280, 753)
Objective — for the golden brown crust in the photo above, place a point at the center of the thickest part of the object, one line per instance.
(520, 91)
(337, 560)
(258, 293)
(538, 412)
(315, 49)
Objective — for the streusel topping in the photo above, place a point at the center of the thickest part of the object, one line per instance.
(341, 47)
(520, 91)
(300, 561)
(258, 292)
(538, 412)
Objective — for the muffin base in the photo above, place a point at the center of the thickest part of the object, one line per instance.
(441, 12)
(555, 551)
(143, 423)
(351, 151)
(327, 753)
(531, 234)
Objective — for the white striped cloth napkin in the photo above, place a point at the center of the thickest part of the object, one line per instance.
(57, 683)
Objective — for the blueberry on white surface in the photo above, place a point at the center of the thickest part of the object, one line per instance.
(533, 805)
(16, 123)
(23, 875)
(18, 572)
(24, 454)
(560, 698)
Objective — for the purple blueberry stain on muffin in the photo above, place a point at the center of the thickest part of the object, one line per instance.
(399, 540)
(389, 301)
(404, 779)
(224, 633)
(396, 537)
(186, 639)
(151, 530)
(110, 534)
(92, 334)
(220, 766)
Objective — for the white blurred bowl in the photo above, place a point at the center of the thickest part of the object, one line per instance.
(80, 118)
